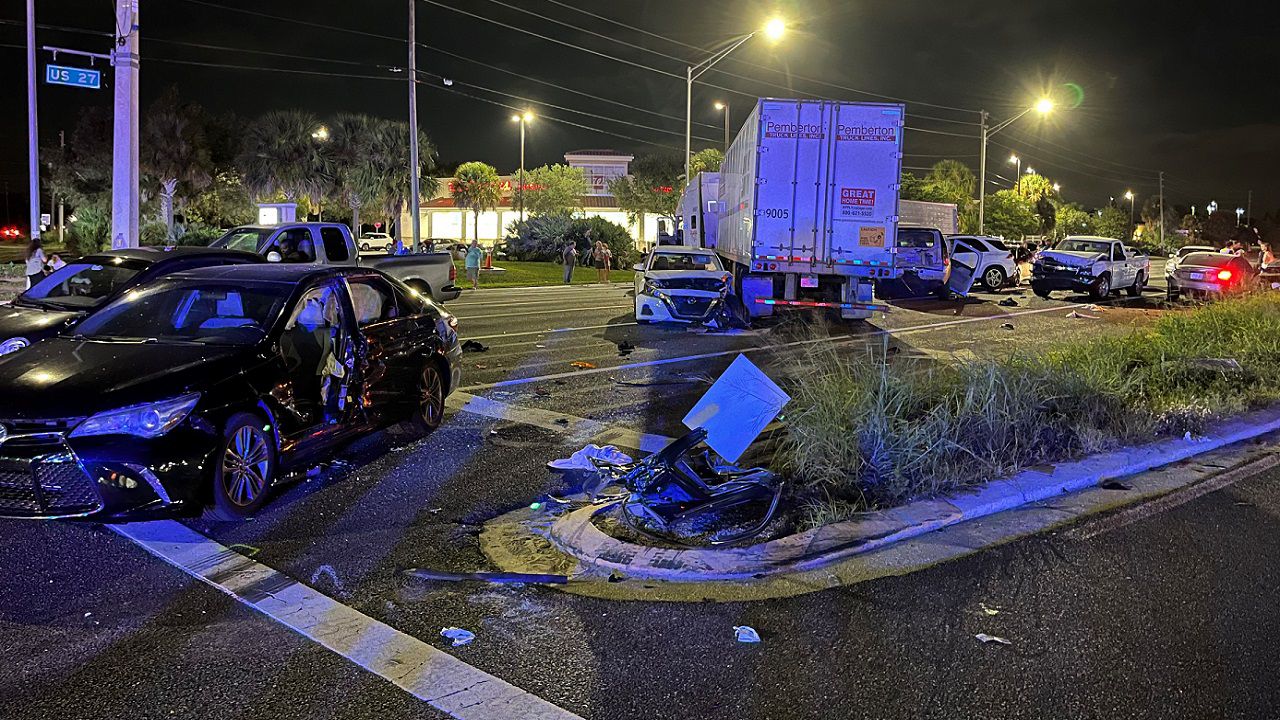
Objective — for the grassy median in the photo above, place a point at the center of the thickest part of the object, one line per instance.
(528, 274)
(865, 433)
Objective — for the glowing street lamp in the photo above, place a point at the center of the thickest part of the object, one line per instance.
(773, 31)
(1043, 106)
(1128, 195)
(320, 134)
(1013, 160)
(725, 107)
(524, 119)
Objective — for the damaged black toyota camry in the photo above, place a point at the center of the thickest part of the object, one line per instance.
(199, 391)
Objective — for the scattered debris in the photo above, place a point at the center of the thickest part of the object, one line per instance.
(474, 346)
(489, 577)
(327, 572)
(539, 345)
(616, 577)
(1115, 485)
(1079, 315)
(1008, 302)
(581, 365)
(458, 635)
(559, 382)
(1007, 326)
(988, 611)
(625, 348)
(585, 459)
(562, 421)
(697, 329)
(481, 366)
(1225, 365)
(541, 391)
(745, 634)
(1095, 308)
(985, 639)
(246, 550)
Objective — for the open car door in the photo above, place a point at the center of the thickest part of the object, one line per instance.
(961, 271)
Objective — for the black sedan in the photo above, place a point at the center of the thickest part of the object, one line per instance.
(199, 391)
(69, 294)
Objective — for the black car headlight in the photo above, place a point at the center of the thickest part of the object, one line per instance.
(13, 345)
(148, 420)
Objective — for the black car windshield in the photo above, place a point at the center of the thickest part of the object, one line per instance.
(685, 261)
(246, 238)
(1090, 246)
(84, 285)
(177, 311)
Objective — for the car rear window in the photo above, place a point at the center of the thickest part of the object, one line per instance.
(1208, 259)
(911, 238)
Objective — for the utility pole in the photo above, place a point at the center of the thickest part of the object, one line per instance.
(33, 126)
(415, 219)
(124, 156)
(1162, 246)
(62, 145)
(1249, 207)
(982, 176)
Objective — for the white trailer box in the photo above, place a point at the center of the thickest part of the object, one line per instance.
(809, 203)
(699, 211)
(937, 216)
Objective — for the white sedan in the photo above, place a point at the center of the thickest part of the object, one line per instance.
(680, 284)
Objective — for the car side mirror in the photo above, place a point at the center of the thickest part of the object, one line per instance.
(274, 257)
(639, 267)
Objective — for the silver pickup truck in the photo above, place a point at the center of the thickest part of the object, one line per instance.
(432, 274)
(1096, 265)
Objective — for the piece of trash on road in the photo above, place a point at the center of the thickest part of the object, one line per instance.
(457, 635)
(625, 348)
(1007, 326)
(1095, 308)
(1008, 302)
(539, 345)
(986, 639)
(616, 577)
(581, 365)
(541, 391)
(988, 611)
(582, 459)
(1073, 314)
(1115, 485)
(745, 634)
(473, 346)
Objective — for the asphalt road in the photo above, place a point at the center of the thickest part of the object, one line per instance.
(1170, 617)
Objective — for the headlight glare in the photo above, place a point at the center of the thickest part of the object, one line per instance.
(149, 420)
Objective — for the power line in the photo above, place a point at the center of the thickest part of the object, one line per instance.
(757, 65)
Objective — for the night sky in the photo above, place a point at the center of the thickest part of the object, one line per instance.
(1189, 90)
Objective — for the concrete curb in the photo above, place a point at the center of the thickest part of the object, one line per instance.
(574, 534)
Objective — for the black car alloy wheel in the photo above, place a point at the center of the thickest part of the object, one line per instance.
(245, 468)
(431, 408)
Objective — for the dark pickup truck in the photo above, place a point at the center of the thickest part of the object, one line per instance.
(432, 274)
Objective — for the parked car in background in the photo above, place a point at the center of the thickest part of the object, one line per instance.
(1212, 274)
(431, 273)
(1171, 264)
(72, 293)
(196, 392)
(1095, 265)
(678, 283)
(376, 242)
(995, 267)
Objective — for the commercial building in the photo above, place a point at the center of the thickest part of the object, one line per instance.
(443, 220)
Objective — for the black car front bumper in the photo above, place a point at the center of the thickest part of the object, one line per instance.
(49, 475)
(1061, 279)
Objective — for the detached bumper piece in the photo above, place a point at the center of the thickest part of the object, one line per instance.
(41, 478)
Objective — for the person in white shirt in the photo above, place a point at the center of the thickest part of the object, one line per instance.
(56, 263)
(35, 262)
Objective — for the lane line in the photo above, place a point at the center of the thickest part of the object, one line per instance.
(550, 331)
(542, 312)
(434, 676)
(760, 348)
(584, 428)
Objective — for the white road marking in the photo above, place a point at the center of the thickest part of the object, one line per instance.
(434, 676)
(760, 348)
(584, 428)
(548, 331)
(541, 312)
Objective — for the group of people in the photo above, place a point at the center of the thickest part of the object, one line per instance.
(600, 257)
(39, 264)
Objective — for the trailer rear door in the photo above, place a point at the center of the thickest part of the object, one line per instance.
(865, 172)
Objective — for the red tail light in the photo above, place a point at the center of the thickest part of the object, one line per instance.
(1224, 275)
(453, 272)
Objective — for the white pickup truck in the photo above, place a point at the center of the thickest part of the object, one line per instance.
(1096, 265)
(432, 274)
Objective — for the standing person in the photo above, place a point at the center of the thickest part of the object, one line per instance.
(600, 257)
(569, 256)
(474, 255)
(35, 261)
(56, 263)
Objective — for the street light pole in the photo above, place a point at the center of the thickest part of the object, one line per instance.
(1128, 195)
(33, 126)
(415, 219)
(725, 107)
(773, 30)
(1018, 182)
(124, 154)
(522, 118)
(1044, 106)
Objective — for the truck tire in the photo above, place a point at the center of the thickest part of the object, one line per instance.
(1101, 288)
(1139, 283)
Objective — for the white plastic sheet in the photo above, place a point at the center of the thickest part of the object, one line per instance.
(737, 408)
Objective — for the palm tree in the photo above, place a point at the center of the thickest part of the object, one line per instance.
(476, 188)
(174, 151)
(389, 166)
(350, 162)
(283, 154)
